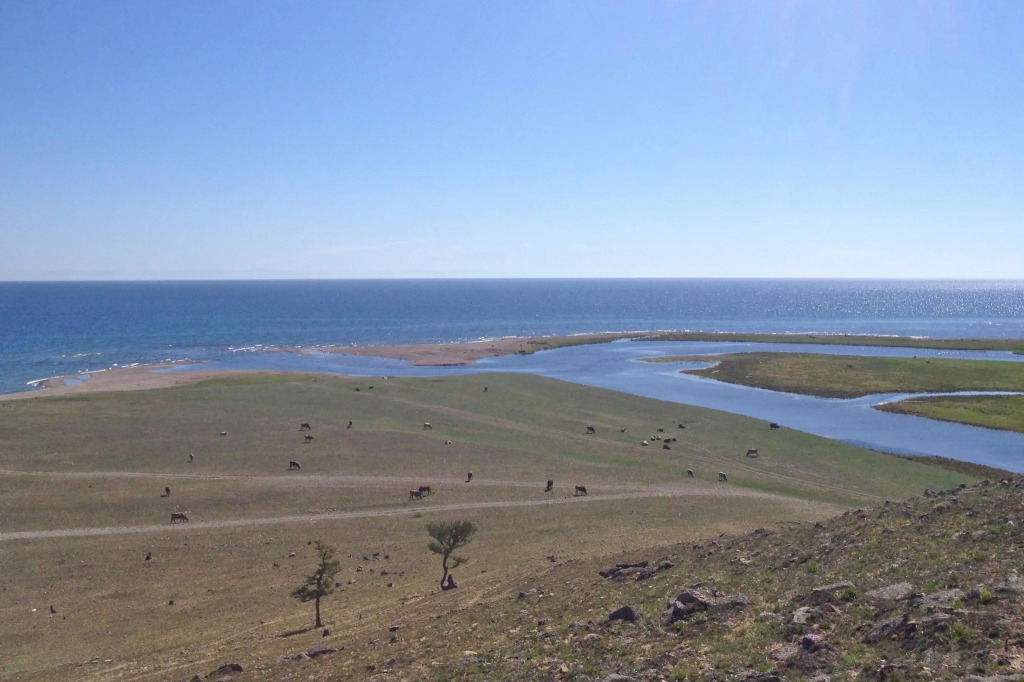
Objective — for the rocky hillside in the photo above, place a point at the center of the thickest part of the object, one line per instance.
(924, 589)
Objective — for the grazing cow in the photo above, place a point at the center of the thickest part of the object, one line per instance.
(167, 491)
(415, 495)
(223, 433)
(644, 443)
(722, 476)
(447, 442)
(308, 439)
(591, 429)
(293, 465)
(179, 516)
(682, 425)
(773, 425)
(661, 430)
(580, 490)
(551, 485)
(149, 556)
(752, 452)
(191, 457)
(304, 426)
(427, 426)
(666, 446)
(485, 389)
(469, 477)
(622, 430)
(349, 424)
(689, 472)
(424, 490)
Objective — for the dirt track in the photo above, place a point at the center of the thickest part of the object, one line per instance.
(358, 514)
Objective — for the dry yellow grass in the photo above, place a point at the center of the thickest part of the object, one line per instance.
(83, 478)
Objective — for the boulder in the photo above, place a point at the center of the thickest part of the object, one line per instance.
(627, 613)
(320, 650)
(890, 593)
(699, 599)
(898, 626)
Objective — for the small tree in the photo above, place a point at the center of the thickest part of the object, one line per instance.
(448, 537)
(321, 582)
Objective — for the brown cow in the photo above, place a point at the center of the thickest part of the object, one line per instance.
(773, 425)
(415, 495)
(304, 426)
(167, 492)
(689, 472)
(191, 457)
(293, 465)
(424, 490)
(591, 429)
(309, 439)
(580, 490)
(551, 485)
(179, 516)
(752, 452)
(469, 477)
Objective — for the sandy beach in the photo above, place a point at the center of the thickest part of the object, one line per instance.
(438, 355)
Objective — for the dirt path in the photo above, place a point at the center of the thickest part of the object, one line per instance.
(392, 511)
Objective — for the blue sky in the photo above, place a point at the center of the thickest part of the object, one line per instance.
(197, 139)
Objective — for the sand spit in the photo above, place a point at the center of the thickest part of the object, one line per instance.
(439, 355)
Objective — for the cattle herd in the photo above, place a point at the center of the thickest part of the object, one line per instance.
(424, 490)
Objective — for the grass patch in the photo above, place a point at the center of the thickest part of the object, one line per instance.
(847, 376)
(1011, 345)
(993, 412)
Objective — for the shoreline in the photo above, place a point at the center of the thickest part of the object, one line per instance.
(458, 354)
(461, 354)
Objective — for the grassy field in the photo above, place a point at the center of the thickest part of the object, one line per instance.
(1011, 345)
(850, 376)
(993, 412)
(82, 481)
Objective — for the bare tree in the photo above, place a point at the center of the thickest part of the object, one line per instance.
(448, 537)
(321, 582)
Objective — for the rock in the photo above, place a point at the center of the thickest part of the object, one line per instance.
(891, 592)
(940, 600)
(627, 613)
(897, 626)
(637, 570)
(1015, 585)
(289, 658)
(803, 614)
(702, 598)
(320, 650)
(227, 669)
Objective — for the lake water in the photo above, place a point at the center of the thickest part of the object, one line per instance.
(49, 329)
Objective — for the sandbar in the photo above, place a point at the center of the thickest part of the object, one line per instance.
(438, 355)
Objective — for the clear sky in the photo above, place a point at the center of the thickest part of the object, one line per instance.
(240, 139)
